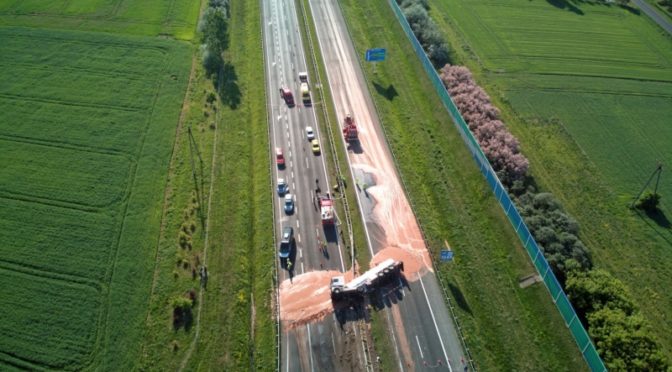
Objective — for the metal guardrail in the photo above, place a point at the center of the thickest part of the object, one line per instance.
(551, 283)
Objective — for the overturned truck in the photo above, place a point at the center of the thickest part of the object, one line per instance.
(376, 277)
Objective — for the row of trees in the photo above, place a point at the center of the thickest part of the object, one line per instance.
(500, 147)
(621, 334)
(425, 30)
(619, 330)
(215, 36)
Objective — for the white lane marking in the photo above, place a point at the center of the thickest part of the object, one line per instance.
(290, 164)
(303, 271)
(431, 312)
(333, 344)
(300, 253)
(307, 166)
(298, 238)
(298, 224)
(290, 151)
(394, 341)
(419, 348)
(310, 345)
(294, 188)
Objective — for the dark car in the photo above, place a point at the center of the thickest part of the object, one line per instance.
(286, 242)
(282, 186)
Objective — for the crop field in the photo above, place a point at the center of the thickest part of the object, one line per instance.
(86, 127)
(587, 88)
(147, 17)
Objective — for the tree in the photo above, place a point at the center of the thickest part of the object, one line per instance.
(649, 202)
(215, 30)
(625, 341)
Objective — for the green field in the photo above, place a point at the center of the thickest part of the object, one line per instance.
(176, 18)
(587, 88)
(86, 128)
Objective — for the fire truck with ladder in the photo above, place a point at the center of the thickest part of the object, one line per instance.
(327, 210)
(350, 128)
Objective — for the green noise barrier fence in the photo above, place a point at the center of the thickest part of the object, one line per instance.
(557, 294)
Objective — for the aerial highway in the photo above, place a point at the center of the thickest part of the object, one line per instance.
(423, 331)
(326, 344)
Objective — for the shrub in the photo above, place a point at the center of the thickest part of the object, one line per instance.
(426, 31)
(649, 202)
(622, 336)
(500, 147)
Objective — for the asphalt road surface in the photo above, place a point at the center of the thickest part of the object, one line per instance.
(423, 332)
(326, 345)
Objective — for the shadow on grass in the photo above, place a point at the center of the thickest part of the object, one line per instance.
(389, 93)
(661, 221)
(229, 91)
(631, 9)
(565, 4)
(459, 298)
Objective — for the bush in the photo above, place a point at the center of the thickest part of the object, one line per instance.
(621, 335)
(555, 232)
(426, 31)
(649, 202)
(500, 147)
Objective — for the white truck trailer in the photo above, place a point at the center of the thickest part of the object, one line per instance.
(367, 282)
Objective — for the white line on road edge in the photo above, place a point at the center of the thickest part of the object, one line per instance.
(431, 312)
(310, 348)
(394, 340)
(333, 343)
(419, 348)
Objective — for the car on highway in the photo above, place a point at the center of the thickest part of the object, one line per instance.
(286, 94)
(282, 186)
(286, 242)
(315, 146)
(310, 133)
(289, 203)
(279, 157)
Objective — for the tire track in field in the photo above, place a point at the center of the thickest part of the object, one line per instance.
(113, 257)
(16, 97)
(128, 44)
(69, 146)
(56, 275)
(12, 195)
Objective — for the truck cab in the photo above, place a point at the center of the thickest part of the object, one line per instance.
(305, 93)
(286, 94)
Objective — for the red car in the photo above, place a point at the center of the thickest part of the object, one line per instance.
(286, 94)
(279, 157)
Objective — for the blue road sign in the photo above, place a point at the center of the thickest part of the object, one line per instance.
(375, 55)
(446, 255)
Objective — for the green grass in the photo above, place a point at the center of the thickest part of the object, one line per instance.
(506, 328)
(176, 18)
(587, 91)
(241, 258)
(237, 328)
(86, 124)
